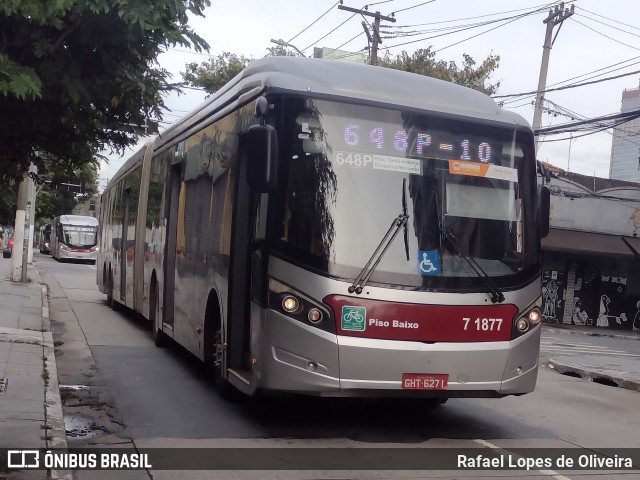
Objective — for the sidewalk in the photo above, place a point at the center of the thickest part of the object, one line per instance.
(622, 371)
(30, 406)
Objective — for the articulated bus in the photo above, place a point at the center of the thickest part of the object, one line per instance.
(44, 242)
(74, 237)
(336, 229)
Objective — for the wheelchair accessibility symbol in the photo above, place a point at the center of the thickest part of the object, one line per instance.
(428, 262)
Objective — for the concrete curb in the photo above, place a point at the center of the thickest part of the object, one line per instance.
(554, 329)
(597, 375)
(54, 417)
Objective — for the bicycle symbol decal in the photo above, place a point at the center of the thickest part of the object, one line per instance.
(353, 318)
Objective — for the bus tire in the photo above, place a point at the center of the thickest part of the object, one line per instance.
(160, 339)
(115, 306)
(108, 286)
(214, 350)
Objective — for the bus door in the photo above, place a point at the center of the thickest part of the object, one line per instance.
(126, 197)
(242, 269)
(173, 185)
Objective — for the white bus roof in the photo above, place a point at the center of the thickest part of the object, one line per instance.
(77, 220)
(349, 80)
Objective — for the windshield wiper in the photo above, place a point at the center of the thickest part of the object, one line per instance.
(496, 294)
(371, 265)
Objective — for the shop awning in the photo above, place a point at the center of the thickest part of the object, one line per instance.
(560, 240)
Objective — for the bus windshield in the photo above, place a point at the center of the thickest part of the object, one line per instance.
(79, 236)
(470, 190)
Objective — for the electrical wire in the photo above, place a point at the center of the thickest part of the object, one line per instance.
(481, 33)
(340, 46)
(613, 20)
(546, 5)
(326, 35)
(565, 87)
(409, 8)
(606, 24)
(312, 23)
(604, 35)
(504, 19)
(617, 119)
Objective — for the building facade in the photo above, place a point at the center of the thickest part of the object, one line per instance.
(625, 147)
(591, 257)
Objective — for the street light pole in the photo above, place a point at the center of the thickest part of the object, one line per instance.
(282, 43)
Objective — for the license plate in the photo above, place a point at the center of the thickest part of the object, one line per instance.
(424, 381)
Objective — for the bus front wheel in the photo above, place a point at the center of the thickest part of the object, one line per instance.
(160, 339)
(214, 352)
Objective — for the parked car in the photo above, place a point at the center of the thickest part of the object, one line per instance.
(6, 253)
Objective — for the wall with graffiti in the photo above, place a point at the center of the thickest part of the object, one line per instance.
(594, 293)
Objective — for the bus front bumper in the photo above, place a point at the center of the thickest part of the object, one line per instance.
(77, 255)
(298, 358)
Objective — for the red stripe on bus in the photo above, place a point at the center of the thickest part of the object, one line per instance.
(369, 318)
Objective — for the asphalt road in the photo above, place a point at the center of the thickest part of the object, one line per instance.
(126, 392)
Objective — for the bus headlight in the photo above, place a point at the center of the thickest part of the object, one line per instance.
(527, 319)
(300, 307)
(315, 316)
(290, 304)
(522, 325)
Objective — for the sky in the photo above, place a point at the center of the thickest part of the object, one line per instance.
(600, 40)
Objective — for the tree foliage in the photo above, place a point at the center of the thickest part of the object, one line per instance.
(214, 73)
(77, 76)
(423, 62)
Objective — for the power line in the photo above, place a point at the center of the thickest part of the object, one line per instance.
(409, 8)
(613, 20)
(504, 19)
(607, 25)
(608, 68)
(574, 126)
(312, 23)
(543, 6)
(481, 33)
(569, 86)
(325, 36)
(606, 36)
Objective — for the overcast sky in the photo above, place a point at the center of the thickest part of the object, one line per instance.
(600, 40)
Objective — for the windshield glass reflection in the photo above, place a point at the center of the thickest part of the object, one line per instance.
(341, 175)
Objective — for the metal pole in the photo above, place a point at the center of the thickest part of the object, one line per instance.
(555, 17)
(376, 39)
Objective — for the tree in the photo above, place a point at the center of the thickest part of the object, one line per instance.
(423, 62)
(215, 72)
(59, 191)
(78, 76)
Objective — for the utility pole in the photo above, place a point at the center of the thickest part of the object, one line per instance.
(556, 17)
(375, 35)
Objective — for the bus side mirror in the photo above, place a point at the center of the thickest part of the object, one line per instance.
(261, 146)
(544, 207)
